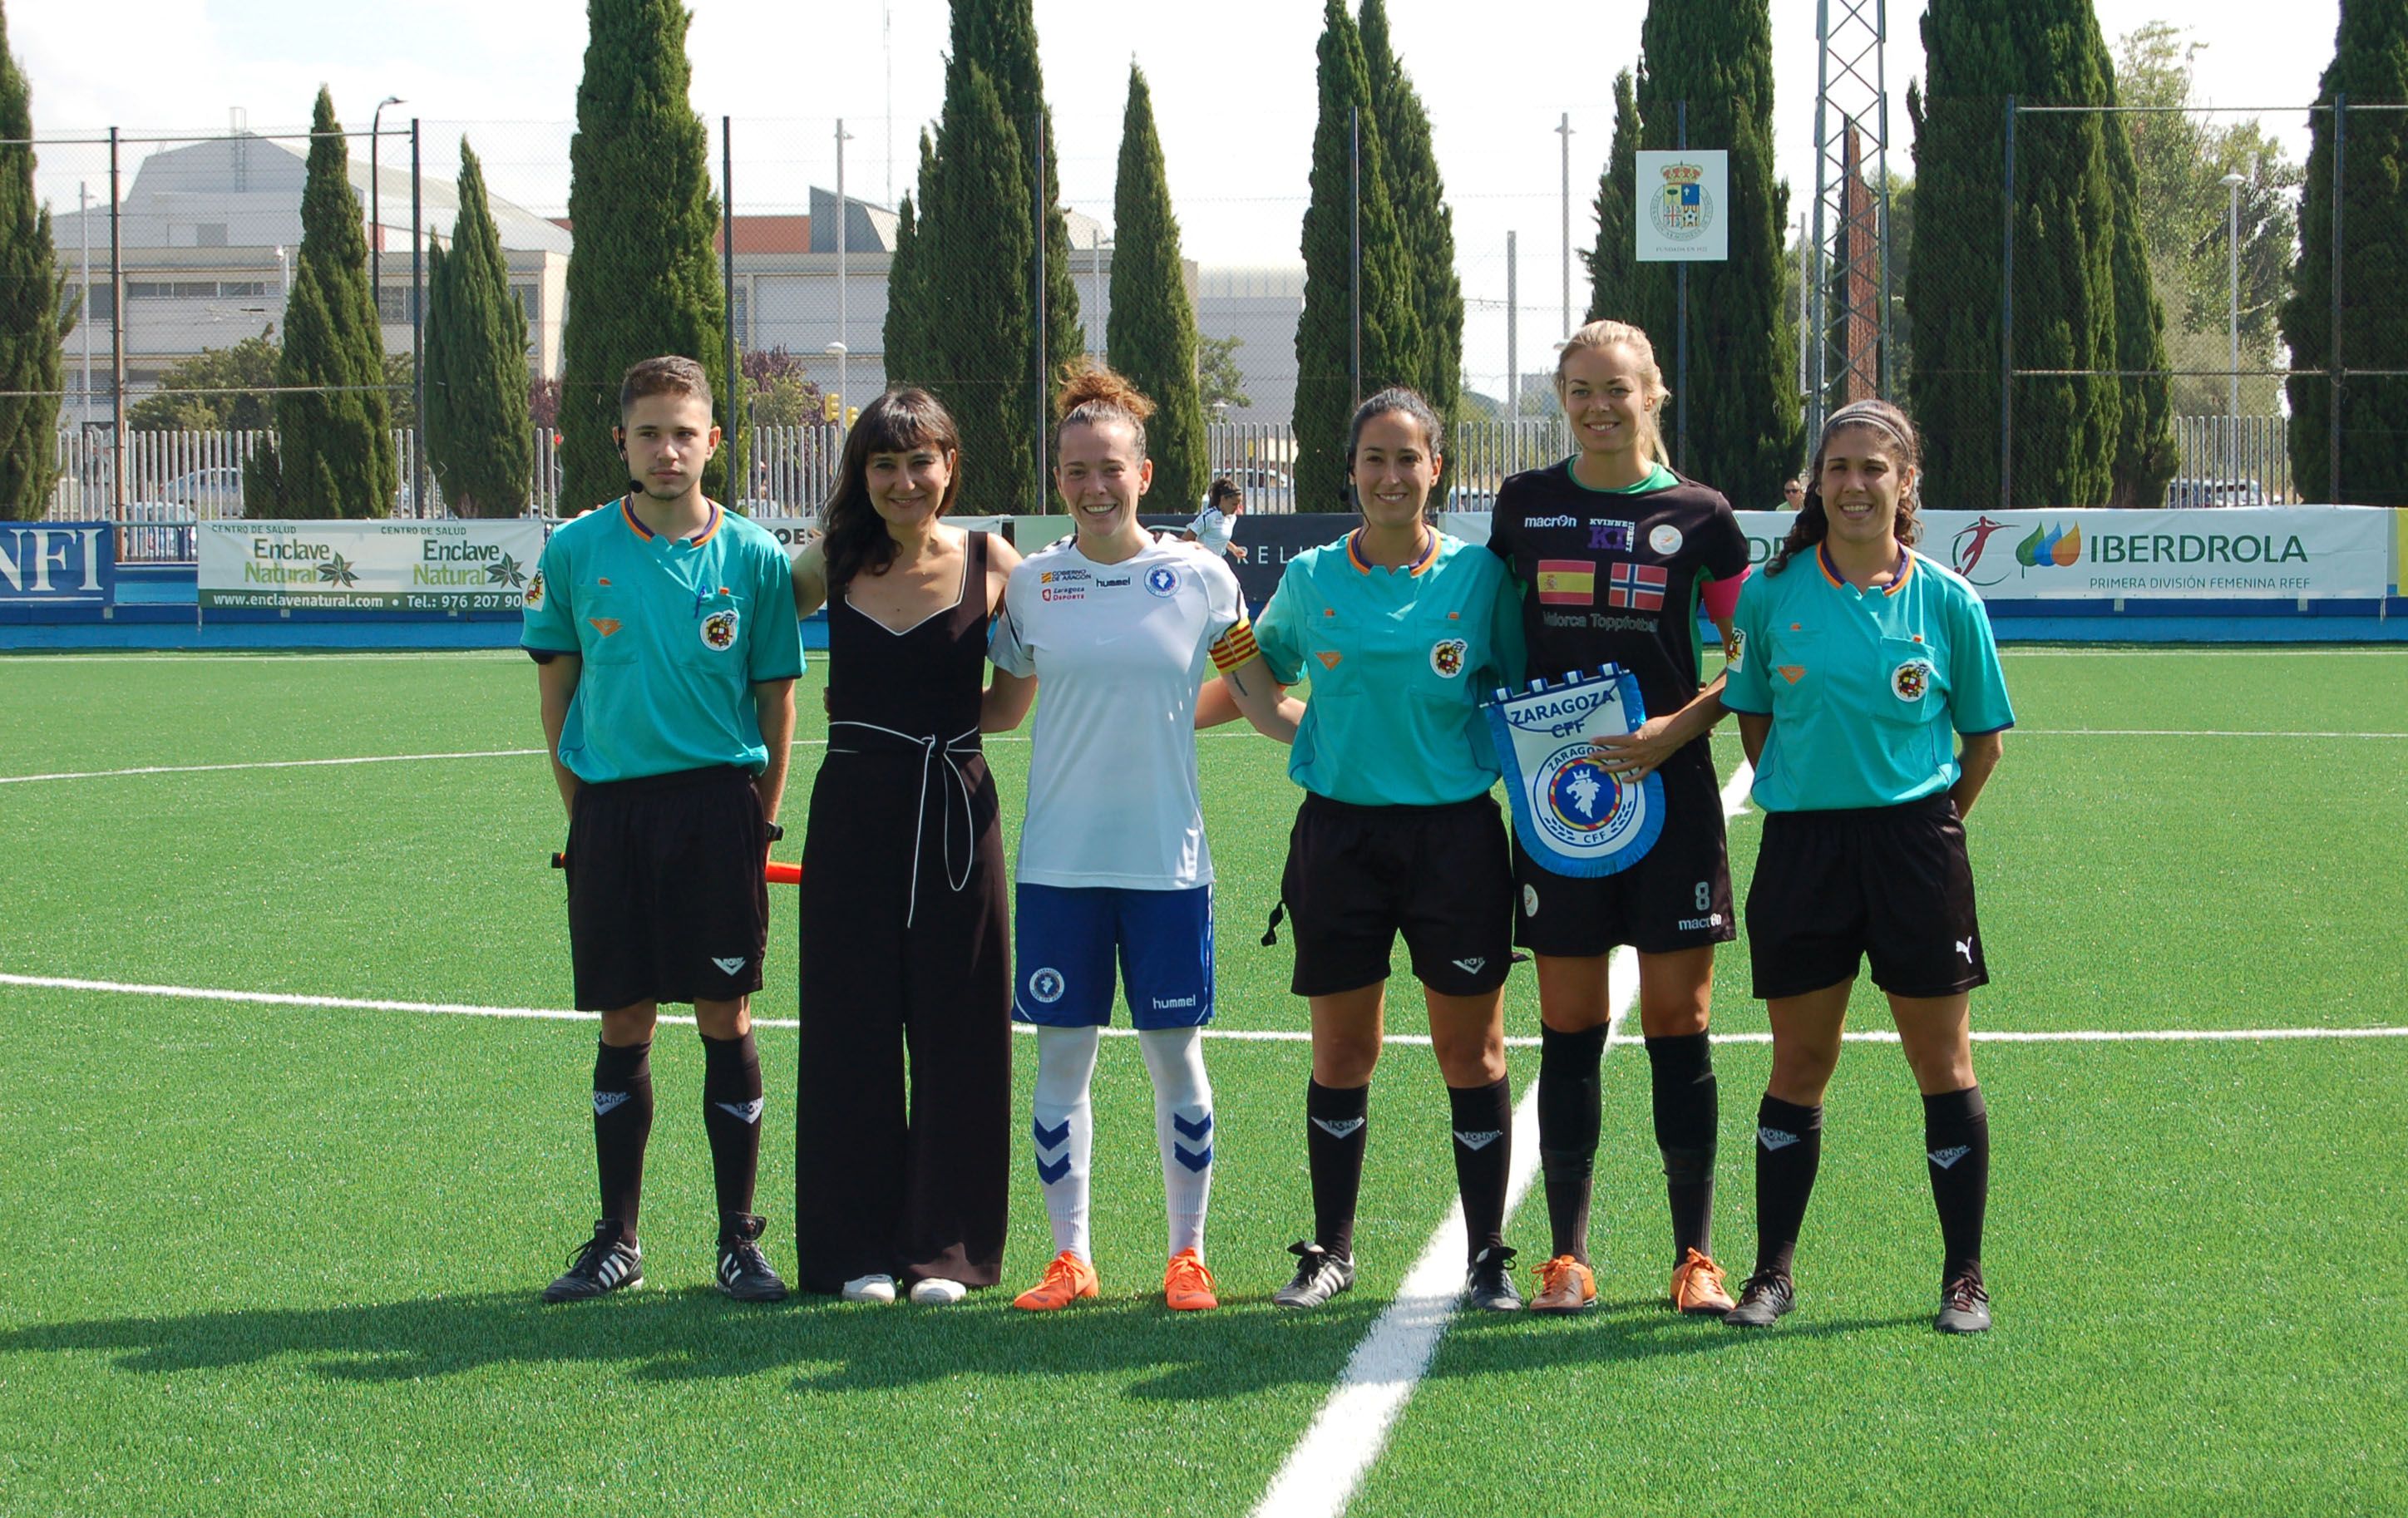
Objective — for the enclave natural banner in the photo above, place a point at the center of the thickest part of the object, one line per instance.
(464, 566)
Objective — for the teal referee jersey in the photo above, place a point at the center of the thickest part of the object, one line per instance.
(1866, 689)
(673, 634)
(1399, 659)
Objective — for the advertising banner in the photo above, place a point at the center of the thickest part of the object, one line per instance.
(468, 565)
(58, 563)
(2271, 552)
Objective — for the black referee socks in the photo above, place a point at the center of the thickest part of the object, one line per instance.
(1789, 1151)
(731, 1115)
(1334, 1134)
(622, 1123)
(1956, 1144)
(1567, 1130)
(1484, 1159)
(1688, 1105)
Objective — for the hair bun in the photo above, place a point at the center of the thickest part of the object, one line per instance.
(1092, 382)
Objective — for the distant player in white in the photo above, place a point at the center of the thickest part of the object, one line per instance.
(1121, 627)
(1216, 526)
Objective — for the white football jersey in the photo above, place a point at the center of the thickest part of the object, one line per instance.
(1119, 652)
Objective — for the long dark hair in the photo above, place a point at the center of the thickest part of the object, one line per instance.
(1906, 447)
(857, 540)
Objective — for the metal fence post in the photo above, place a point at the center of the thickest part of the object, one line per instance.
(419, 497)
(1681, 325)
(2332, 421)
(116, 336)
(1037, 203)
(2007, 321)
(735, 487)
(1354, 277)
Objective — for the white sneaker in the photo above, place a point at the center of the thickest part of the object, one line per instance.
(936, 1292)
(869, 1289)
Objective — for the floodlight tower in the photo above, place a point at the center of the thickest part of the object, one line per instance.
(1847, 265)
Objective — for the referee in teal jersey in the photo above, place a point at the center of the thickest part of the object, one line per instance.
(1870, 700)
(1401, 629)
(664, 632)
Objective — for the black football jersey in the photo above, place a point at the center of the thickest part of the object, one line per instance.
(1610, 576)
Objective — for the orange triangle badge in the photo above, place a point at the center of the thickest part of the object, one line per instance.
(605, 625)
(1328, 661)
(1792, 673)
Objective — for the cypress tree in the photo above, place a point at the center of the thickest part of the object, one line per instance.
(1612, 265)
(1744, 419)
(2369, 67)
(1325, 388)
(1000, 37)
(478, 436)
(1424, 220)
(972, 261)
(906, 338)
(35, 314)
(643, 278)
(1151, 329)
(2077, 286)
(334, 422)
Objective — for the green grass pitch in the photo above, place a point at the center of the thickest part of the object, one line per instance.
(284, 1258)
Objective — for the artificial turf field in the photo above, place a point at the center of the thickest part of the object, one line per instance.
(284, 1257)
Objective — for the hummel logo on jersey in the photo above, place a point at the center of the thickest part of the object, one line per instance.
(743, 1111)
(730, 967)
(1947, 1158)
(607, 1102)
(1774, 1140)
(1343, 1128)
(1471, 967)
(1478, 1141)
(1965, 947)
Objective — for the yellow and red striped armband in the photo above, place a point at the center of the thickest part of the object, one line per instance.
(1234, 647)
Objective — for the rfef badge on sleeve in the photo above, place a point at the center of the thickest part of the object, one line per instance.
(1568, 810)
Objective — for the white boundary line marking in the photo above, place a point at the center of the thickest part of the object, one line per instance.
(1320, 1473)
(2183, 732)
(990, 739)
(1417, 1040)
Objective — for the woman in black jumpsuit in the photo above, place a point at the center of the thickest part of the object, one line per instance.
(905, 942)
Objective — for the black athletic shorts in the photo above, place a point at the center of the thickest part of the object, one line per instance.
(1357, 876)
(1677, 897)
(666, 897)
(1889, 883)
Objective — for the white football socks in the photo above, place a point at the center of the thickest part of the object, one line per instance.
(1065, 1131)
(1182, 1127)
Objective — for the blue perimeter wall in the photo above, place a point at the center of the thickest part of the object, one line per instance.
(157, 608)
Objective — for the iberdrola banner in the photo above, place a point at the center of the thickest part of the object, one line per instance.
(2241, 552)
(459, 565)
(1569, 812)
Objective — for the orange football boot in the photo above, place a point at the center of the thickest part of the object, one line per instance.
(1697, 1287)
(1186, 1285)
(1565, 1286)
(1066, 1280)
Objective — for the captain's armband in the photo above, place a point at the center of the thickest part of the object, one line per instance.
(1235, 647)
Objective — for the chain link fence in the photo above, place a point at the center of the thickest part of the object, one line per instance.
(178, 252)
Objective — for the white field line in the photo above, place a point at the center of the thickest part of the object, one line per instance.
(2182, 731)
(412, 758)
(1320, 1473)
(1402, 1040)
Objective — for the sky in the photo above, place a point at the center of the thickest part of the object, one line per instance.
(1232, 84)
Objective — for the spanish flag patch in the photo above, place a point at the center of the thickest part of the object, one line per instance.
(1567, 582)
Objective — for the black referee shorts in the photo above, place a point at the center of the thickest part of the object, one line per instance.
(666, 897)
(1358, 876)
(1890, 884)
(1677, 897)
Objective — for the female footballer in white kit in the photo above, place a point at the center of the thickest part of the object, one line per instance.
(1121, 628)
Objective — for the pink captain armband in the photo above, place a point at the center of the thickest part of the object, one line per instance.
(1721, 596)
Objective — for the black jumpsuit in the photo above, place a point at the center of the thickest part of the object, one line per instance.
(905, 945)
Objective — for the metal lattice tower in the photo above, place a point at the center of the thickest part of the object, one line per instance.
(1848, 263)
